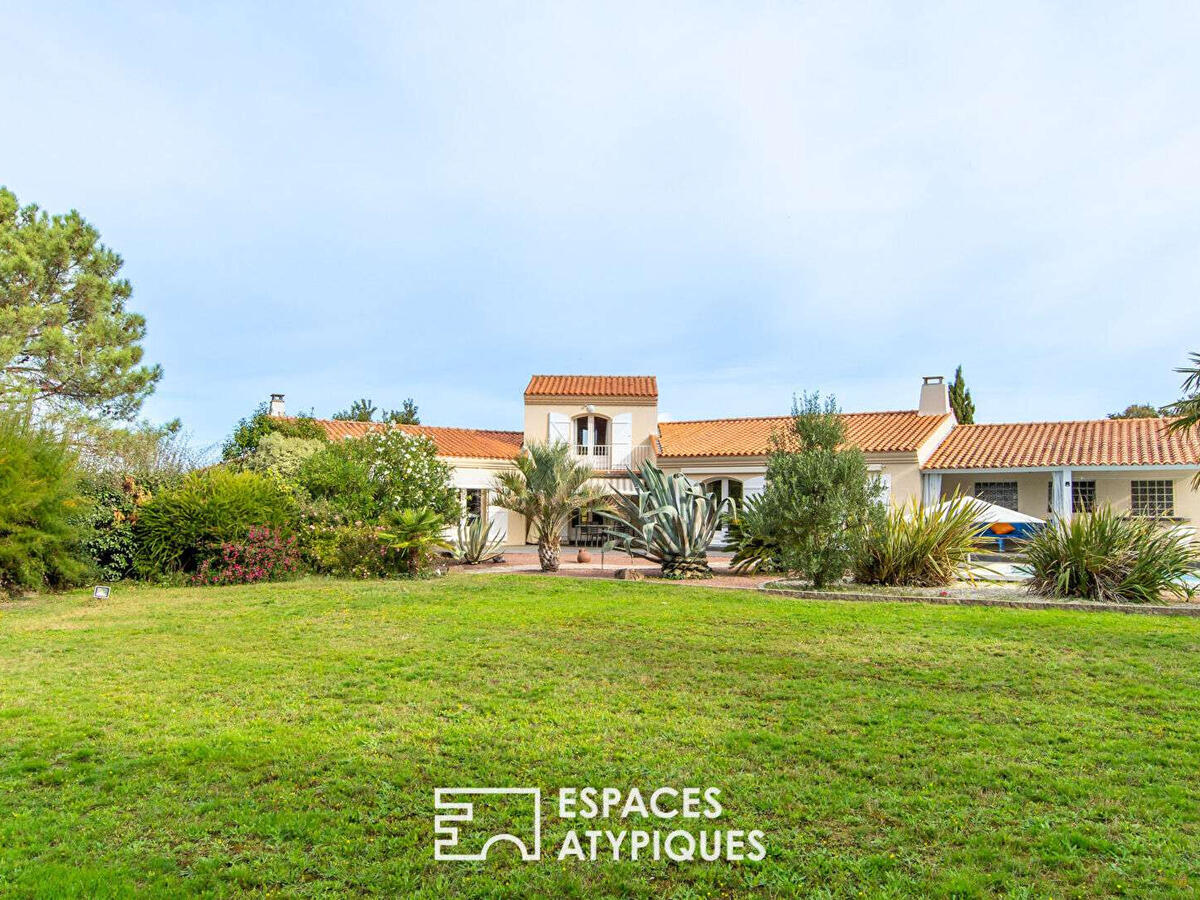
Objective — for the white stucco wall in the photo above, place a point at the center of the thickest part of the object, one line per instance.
(475, 473)
(901, 468)
(643, 415)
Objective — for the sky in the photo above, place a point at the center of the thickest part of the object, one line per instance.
(745, 199)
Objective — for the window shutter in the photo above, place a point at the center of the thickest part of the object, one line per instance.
(560, 428)
(754, 486)
(622, 440)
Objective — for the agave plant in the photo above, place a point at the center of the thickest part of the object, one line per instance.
(749, 532)
(670, 520)
(475, 540)
(416, 533)
(1106, 556)
(920, 545)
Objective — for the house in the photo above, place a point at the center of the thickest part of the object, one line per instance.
(611, 422)
(1044, 468)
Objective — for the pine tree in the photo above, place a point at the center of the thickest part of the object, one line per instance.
(406, 415)
(362, 410)
(67, 342)
(1137, 411)
(960, 399)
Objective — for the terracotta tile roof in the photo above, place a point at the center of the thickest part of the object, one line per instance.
(641, 386)
(462, 443)
(881, 432)
(1101, 442)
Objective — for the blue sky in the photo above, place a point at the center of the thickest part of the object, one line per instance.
(746, 200)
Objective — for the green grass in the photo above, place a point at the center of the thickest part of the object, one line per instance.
(287, 739)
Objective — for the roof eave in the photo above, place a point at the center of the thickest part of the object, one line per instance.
(1052, 467)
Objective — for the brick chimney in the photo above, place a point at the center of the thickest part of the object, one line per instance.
(935, 396)
(276, 409)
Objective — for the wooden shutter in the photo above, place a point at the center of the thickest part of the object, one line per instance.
(497, 518)
(622, 440)
(560, 428)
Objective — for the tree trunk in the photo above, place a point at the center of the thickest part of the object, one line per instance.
(686, 567)
(548, 554)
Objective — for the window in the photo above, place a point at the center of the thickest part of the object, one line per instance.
(1152, 498)
(726, 488)
(884, 480)
(473, 501)
(1083, 496)
(1001, 493)
(591, 436)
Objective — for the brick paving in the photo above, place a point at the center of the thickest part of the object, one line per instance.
(524, 561)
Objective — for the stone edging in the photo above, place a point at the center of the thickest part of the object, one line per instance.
(1192, 610)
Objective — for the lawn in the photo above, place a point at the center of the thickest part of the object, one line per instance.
(288, 739)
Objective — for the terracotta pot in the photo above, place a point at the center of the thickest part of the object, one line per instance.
(583, 556)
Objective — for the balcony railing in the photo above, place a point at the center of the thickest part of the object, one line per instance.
(600, 456)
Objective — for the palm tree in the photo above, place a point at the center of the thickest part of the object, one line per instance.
(416, 533)
(1187, 409)
(549, 484)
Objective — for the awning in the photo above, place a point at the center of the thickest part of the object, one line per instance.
(990, 512)
(620, 485)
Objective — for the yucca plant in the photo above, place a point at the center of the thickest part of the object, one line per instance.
(749, 531)
(921, 545)
(546, 486)
(476, 541)
(670, 520)
(1107, 556)
(415, 533)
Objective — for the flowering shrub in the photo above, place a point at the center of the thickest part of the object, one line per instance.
(354, 550)
(177, 529)
(360, 551)
(250, 431)
(108, 519)
(380, 474)
(329, 543)
(281, 454)
(265, 555)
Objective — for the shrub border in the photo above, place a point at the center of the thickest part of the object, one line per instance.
(1192, 610)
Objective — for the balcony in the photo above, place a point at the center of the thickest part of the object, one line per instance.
(600, 456)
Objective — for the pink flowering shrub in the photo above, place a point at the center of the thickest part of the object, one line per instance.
(264, 555)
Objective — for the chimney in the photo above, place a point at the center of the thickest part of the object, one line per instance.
(277, 405)
(935, 396)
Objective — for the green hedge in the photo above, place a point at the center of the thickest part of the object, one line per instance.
(177, 529)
